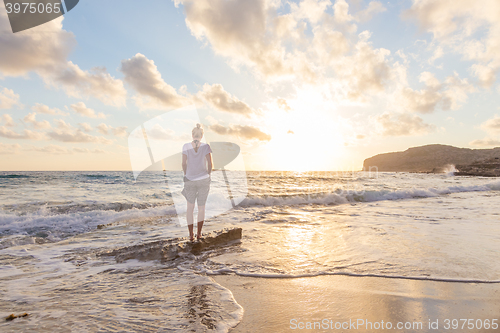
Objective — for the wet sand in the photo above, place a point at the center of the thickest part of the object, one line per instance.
(279, 305)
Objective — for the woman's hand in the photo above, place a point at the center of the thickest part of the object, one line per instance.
(210, 163)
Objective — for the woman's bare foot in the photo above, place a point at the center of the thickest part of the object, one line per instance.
(200, 225)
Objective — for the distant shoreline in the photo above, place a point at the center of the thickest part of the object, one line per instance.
(438, 158)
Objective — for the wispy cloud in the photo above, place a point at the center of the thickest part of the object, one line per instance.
(31, 119)
(245, 132)
(25, 135)
(83, 110)
(403, 124)
(116, 131)
(8, 98)
(42, 108)
(59, 150)
(7, 149)
(454, 26)
(7, 120)
(486, 142)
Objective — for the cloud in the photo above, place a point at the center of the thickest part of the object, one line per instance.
(50, 149)
(7, 120)
(403, 125)
(26, 135)
(448, 95)
(41, 108)
(211, 120)
(96, 82)
(154, 93)
(103, 129)
(67, 133)
(492, 125)
(486, 74)
(41, 47)
(58, 150)
(312, 10)
(328, 44)
(157, 132)
(143, 75)
(305, 45)
(44, 50)
(88, 151)
(83, 110)
(486, 142)
(117, 131)
(7, 149)
(282, 104)
(61, 124)
(85, 127)
(8, 98)
(120, 131)
(31, 119)
(374, 7)
(241, 131)
(370, 78)
(467, 27)
(341, 13)
(77, 136)
(238, 30)
(220, 99)
(438, 53)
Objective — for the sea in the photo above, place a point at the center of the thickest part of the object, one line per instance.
(55, 227)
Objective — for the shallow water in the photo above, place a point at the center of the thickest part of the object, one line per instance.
(400, 225)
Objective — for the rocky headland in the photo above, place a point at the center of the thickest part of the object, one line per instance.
(438, 158)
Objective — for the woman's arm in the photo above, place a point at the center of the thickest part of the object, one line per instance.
(209, 162)
(184, 163)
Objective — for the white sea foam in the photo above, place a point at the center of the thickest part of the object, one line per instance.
(53, 223)
(364, 196)
(56, 226)
(226, 271)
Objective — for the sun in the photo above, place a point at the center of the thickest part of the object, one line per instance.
(306, 138)
(305, 149)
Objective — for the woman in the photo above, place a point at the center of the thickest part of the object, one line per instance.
(197, 165)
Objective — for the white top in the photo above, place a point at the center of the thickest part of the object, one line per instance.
(196, 161)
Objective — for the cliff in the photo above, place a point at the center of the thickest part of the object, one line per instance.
(432, 158)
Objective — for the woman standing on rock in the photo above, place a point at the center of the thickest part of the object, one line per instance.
(197, 166)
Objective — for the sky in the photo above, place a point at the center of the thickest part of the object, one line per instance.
(309, 85)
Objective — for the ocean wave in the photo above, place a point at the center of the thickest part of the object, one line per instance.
(57, 207)
(112, 206)
(54, 227)
(340, 196)
(14, 176)
(100, 176)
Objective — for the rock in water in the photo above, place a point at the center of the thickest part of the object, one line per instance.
(486, 168)
(13, 316)
(172, 248)
(210, 240)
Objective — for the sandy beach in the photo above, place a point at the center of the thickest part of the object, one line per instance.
(362, 304)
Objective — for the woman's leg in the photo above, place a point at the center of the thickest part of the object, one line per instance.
(204, 188)
(190, 218)
(201, 219)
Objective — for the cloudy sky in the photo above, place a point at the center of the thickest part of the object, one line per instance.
(299, 85)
